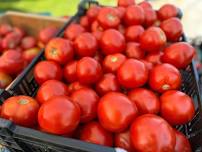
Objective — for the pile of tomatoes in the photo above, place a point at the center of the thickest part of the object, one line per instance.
(113, 80)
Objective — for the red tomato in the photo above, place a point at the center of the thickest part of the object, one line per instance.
(154, 57)
(150, 132)
(134, 15)
(172, 28)
(167, 11)
(47, 70)
(164, 77)
(92, 12)
(116, 112)
(84, 21)
(176, 107)
(72, 31)
(145, 100)
(46, 34)
(145, 5)
(121, 11)
(112, 62)
(178, 54)
(74, 86)
(107, 84)
(150, 17)
(5, 80)
(87, 99)
(97, 35)
(132, 73)
(149, 65)
(11, 41)
(93, 132)
(59, 115)
(108, 17)
(133, 50)
(28, 42)
(125, 3)
(69, 71)
(134, 32)
(50, 89)
(30, 54)
(5, 29)
(95, 26)
(112, 41)
(153, 39)
(59, 50)
(88, 70)
(85, 45)
(22, 110)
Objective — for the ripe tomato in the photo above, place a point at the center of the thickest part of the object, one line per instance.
(164, 77)
(153, 39)
(22, 110)
(74, 86)
(134, 15)
(30, 54)
(11, 41)
(84, 21)
(50, 89)
(176, 107)
(93, 132)
(145, 5)
(47, 70)
(88, 70)
(28, 42)
(85, 44)
(133, 50)
(5, 29)
(87, 99)
(134, 32)
(167, 11)
(150, 17)
(59, 115)
(112, 62)
(92, 12)
(132, 73)
(69, 71)
(172, 28)
(46, 34)
(178, 54)
(108, 17)
(125, 3)
(148, 64)
(95, 26)
(145, 100)
(59, 50)
(5, 80)
(116, 112)
(107, 84)
(154, 57)
(112, 41)
(121, 11)
(150, 132)
(72, 31)
(97, 35)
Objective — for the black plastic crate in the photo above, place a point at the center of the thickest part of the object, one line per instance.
(21, 139)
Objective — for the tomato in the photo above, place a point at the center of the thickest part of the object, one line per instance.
(112, 41)
(134, 32)
(46, 34)
(92, 12)
(87, 99)
(30, 54)
(176, 107)
(116, 112)
(133, 50)
(84, 21)
(88, 70)
(59, 50)
(5, 29)
(134, 15)
(164, 77)
(74, 86)
(11, 41)
(107, 84)
(47, 70)
(50, 89)
(145, 5)
(108, 17)
(73, 30)
(5, 80)
(22, 110)
(69, 71)
(28, 42)
(21, 33)
(178, 54)
(153, 39)
(97, 35)
(132, 73)
(148, 64)
(112, 62)
(167, 11)
(93, 132)
(85, 45)
(151, 133)
(150, 17)
(154, 57)
(121, 11)
(182, 143)
(172, 28)
(59, 115)
(125, 3)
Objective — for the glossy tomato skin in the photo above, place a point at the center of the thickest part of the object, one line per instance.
(153, 39)
(5, 80)
(134, 32)
(95, 26)
(47, 70)
(69, 71)
(145, 100)
(63, 118)
(145, 5)
(46, 34)
(59, 50)
(121, 11)
(25, 107)
(88, 70)
(154, 57)
(164, 77)
(87, 99)
(148, 64)
(112, 41)
(50, 89)
(178, 54)
(97, 35)
(74, 86)
(112, 62)
(126, 3)
(93, 132)
(177, 107)
(132, 73)
(133, 50)
(118, 117)
(150, 17)
(72, 31)
(84, 21)
(167, 11)
(93, 12)
(85, 45)
(107, 84)
(150, 125)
